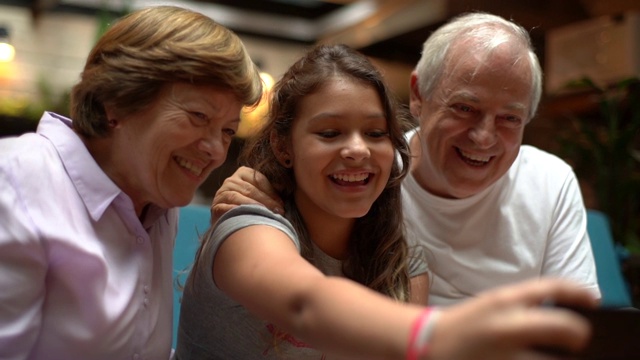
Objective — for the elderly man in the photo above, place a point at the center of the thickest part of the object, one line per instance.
(489, 210)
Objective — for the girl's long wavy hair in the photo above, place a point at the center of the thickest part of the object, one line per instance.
(377, 247)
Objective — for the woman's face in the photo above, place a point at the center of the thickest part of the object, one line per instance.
(341, 151)
(166, 151)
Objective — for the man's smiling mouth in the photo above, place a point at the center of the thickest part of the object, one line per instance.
(473, 160)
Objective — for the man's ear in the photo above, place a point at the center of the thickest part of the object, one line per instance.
(281, 149)
(415, 99)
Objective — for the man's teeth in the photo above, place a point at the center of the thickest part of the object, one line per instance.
(475, 157)
(351, 177)
(195, 170)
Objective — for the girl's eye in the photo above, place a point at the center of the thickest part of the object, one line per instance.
(328, 134)
(377, 134)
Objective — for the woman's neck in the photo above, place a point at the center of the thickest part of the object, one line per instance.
(101, 149)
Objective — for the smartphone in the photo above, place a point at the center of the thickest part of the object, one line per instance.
(615, 335)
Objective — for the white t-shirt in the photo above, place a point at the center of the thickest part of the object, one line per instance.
(530, 223)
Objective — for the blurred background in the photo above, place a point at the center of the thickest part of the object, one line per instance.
(589, 50)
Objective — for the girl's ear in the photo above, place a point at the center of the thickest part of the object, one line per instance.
(281, 149)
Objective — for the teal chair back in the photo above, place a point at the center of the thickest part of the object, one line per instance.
(194, 221)
(614, 289)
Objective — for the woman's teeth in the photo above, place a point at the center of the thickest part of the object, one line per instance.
(195, 170)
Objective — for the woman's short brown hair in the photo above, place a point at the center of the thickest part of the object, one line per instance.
(150, 48)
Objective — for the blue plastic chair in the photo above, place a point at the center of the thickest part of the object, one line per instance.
(614, 289)
(194, 221)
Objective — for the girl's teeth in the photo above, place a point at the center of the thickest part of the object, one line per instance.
(351, 177)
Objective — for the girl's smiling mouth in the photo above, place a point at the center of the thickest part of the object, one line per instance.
(361, 178)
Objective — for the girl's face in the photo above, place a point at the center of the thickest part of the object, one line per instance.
(340, 150)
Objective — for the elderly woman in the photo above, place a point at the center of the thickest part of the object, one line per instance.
(88, 211)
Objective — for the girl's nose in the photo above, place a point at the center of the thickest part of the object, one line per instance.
(356, 148)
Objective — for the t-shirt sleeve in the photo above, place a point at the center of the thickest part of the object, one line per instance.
(417, 260)
(569, 254)
(237, 219)
(416, 254)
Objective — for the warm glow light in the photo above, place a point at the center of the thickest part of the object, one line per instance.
(267, 81)
(252, 118)
(7, 52)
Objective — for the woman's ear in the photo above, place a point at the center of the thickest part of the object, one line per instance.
(281, 149)
(112, 118)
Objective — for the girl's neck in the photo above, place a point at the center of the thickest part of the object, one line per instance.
(329, 233)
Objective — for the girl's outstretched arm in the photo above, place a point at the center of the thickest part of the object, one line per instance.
(260, 267)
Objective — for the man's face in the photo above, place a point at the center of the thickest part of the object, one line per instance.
(472, 125)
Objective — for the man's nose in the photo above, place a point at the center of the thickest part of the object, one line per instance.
(483, 133)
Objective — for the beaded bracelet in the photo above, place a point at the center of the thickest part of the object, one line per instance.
(421, 332)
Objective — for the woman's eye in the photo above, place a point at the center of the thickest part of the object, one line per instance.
(199, 118)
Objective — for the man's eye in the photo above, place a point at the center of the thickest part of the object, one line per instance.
(511, 120)
(230, 132)
(462, 109)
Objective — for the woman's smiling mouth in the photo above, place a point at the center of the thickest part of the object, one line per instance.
(188, 165)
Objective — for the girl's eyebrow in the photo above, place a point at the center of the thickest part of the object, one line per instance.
(331, 115)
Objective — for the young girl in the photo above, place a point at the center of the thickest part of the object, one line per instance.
(328, 279)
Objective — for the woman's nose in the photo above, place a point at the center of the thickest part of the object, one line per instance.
(214, 146)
